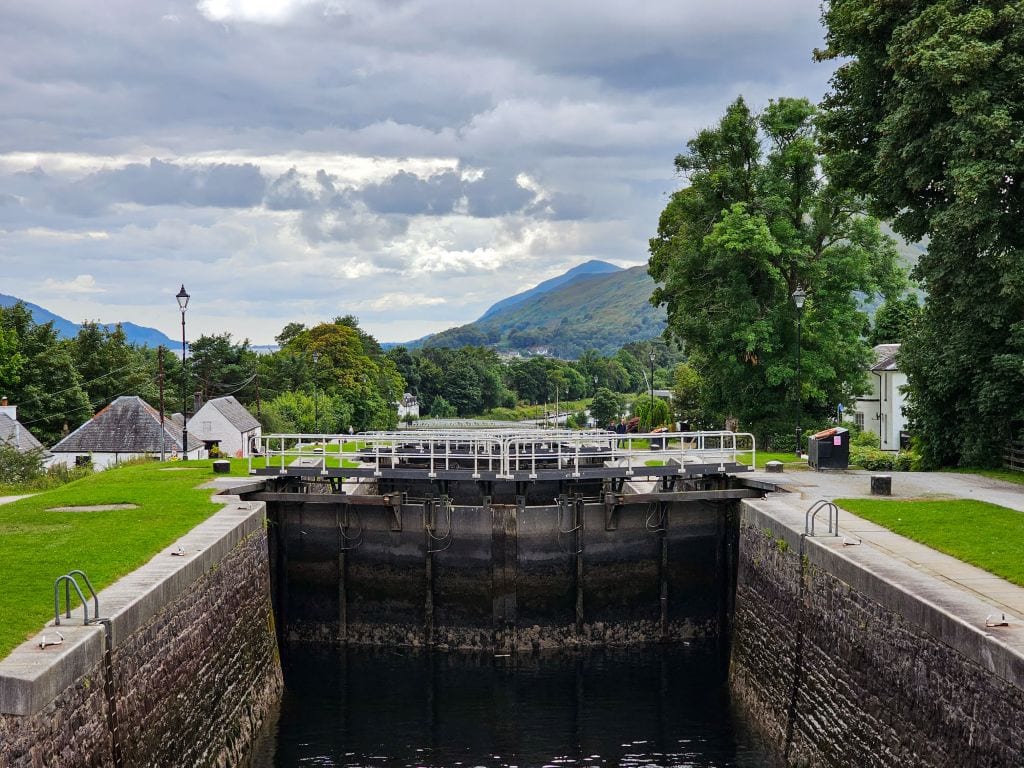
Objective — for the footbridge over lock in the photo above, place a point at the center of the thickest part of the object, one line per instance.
(502, 538)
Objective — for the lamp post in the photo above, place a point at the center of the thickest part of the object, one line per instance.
(183, 298)
(651, 358)
(799, 296)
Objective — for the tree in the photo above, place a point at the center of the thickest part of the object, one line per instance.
(651, 414)
(221, 367)
(48, 390)
(758, 220)
(110, 366)
(894, 321)
(686, 392)
(925, 115)
(606, 407)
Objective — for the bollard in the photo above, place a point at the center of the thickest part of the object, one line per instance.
(773, 466)
(221, 466)
(881, 485)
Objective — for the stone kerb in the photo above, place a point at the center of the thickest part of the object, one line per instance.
(943, 611)
(30, 677)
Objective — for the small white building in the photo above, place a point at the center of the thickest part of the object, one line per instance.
(12, 432)
(128, 428)
(880, 410)
(227, 424)
(408, 406)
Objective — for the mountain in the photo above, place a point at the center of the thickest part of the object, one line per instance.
(136, 334)
(592, 267)
(600, 311)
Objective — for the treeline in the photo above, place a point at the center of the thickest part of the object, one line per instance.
(327, 378)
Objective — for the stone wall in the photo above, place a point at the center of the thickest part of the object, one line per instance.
(192, 671)
(847, 658)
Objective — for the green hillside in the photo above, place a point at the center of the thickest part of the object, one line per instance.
(601, 312)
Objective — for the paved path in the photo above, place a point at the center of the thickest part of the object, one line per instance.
(806, 487)
(9, 499)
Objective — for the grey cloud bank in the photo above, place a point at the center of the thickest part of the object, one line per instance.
(305, 159)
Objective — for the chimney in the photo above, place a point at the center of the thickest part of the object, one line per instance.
(3, 401)
(9, 410)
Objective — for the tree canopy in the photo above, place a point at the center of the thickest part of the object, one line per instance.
(926, 115)
(759, 219)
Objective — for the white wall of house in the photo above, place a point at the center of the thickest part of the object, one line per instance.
(209, 424)
(101, 460)
(881, 410)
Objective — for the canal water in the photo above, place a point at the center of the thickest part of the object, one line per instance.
(662, 707)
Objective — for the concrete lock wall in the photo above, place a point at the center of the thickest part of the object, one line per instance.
(846, 657)
(192, 671)
(500, 575)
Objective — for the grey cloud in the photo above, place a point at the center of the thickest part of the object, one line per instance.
(219, 185)
(492, 194)
(286, 193)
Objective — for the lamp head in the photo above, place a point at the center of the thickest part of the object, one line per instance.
(182, 298)
(799, 296)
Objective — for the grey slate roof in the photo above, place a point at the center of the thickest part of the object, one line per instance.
(127, 425)
(15, 434)
(885, 357)
(235, 412)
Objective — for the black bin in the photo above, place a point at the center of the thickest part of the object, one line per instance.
(829, 449)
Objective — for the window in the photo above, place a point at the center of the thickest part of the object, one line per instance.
(859, 419)
(207, 426)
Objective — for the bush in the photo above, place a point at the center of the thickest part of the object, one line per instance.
(17, 467)
(875, 460)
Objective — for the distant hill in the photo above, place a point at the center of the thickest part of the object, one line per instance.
(136, 334)
(601, 311)
(592, 267)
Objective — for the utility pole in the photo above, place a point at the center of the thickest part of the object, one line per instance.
(259, 414)
(160, 380)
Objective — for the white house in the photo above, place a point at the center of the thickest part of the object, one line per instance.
(128, 428)
(408, 406)
(880, 410)
(227, 424)
(12, 432)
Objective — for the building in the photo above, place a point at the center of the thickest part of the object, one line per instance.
(409, 406)
(880, 410)
(128, 428)
(226, 424)
(12, 432)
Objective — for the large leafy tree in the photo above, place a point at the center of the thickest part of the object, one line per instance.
(926, 115)
(46, 387)
(110, 366)
(759, 219)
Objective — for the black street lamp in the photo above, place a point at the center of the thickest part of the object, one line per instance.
(651, 358)
(183, 298)
(799, 296)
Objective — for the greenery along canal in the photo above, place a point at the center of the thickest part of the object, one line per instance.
(665, 706)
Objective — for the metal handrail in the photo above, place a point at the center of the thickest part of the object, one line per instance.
(69, 581)
(510, 451)
(812, 513)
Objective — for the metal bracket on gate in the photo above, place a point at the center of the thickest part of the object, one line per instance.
(394, 501)
(612, 506)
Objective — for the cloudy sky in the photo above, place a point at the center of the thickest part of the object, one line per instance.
(405, 161)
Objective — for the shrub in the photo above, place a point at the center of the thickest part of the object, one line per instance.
(17, 467)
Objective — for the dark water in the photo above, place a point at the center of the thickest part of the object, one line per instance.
(638, 707)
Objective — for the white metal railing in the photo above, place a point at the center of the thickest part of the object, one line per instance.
(507, 453)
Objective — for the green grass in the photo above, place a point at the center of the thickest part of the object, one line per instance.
(763, 457)
(38, 545)
(979, 533)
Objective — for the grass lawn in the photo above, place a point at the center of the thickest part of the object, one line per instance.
(979, 533)
(789, 459)
(38, 545)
